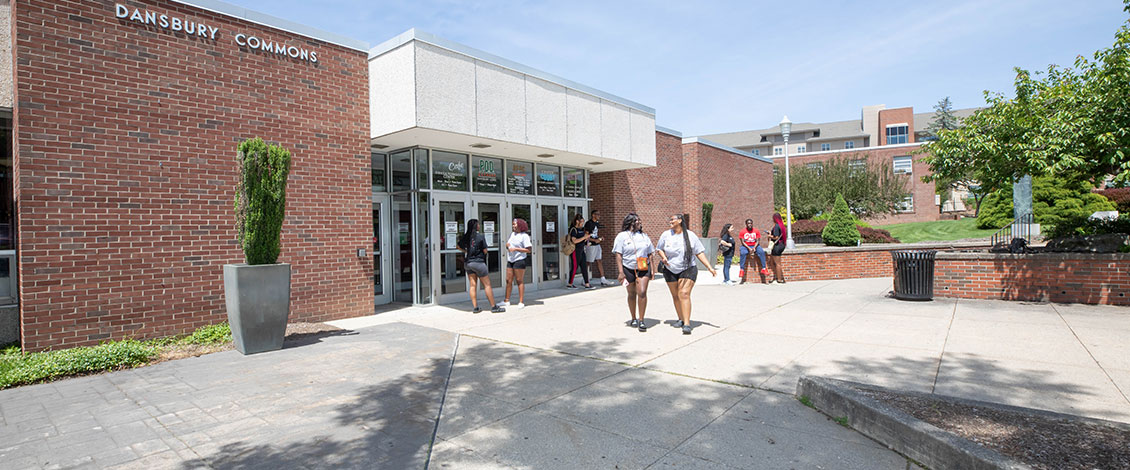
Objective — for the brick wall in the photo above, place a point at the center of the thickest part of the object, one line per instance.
(685, 176)
(1051, 277)
(895, 116)
(126, 137)
(825, 263)
(924, 207)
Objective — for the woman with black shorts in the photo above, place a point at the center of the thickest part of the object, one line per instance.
(678, 248)
(777, 236)
(474, 247)
(518, 249)
(633, 251)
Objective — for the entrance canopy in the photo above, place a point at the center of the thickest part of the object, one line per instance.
(425, 90)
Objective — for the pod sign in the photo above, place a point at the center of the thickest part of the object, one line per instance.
(202, 30)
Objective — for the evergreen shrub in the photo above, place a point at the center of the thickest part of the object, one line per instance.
(841, 229)
(260, 201)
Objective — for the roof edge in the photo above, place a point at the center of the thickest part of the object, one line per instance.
(667, 131)
(417, 35)
(249, 15)
(698, 140)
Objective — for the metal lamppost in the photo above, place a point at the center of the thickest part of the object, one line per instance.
(786, 127)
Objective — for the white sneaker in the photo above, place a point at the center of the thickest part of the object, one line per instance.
(504, 304)
(520, 305)
(605, 282)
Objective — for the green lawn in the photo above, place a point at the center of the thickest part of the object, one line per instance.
(941, 230)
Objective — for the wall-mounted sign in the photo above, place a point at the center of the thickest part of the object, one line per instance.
(199, 29)
(549, 180)
(519, 177)
(449, 171)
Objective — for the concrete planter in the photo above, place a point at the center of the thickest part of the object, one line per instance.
(258, 301)
(711, 246)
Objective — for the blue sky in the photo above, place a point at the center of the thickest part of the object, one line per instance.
(709, 67)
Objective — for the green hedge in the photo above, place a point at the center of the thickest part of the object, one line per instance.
(20, 368)
(841, 229)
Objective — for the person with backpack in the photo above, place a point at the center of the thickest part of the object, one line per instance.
(678, 249)
(633, 250)
(575, 243)
(594, 252)
(726, 245)
(474, 248)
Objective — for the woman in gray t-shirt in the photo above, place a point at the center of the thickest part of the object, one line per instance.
(678, 248)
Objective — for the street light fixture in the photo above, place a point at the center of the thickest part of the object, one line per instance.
(786, 128)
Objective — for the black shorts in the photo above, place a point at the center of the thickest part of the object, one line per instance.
(476, 267)
(778, 249)
(689, 273)
(520, 264)
(630, 274)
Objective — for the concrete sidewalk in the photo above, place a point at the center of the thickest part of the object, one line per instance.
(565, 384)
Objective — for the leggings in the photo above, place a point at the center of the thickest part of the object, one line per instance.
(578, 260)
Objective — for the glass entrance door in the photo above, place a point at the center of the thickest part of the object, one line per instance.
(400, 274)
(550, 249)
(489, 213)
(452, 223)
(524, 210)
(382, 293)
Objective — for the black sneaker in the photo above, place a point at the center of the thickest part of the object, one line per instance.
(497, 309)
(686, 329)
(642, 327)
(634, 323)
(570, 286)
(679, 324)
(476, 310)
(589, 287)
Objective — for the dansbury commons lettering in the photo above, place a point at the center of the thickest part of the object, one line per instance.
(193, 28)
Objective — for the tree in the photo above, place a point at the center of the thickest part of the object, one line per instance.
(944, 119)
(841, 229)
(1073, 122)
(870, 188)
(1055, 200)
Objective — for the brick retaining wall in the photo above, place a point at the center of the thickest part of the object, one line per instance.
(1049, 277)
(819, 263)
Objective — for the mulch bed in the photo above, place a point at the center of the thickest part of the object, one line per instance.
(293, 331)
(1041, 442)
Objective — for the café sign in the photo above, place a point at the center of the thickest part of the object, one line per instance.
(194, 28)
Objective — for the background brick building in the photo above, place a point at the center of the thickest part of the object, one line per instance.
(125, 137)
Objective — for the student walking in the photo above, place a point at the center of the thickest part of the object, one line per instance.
(594, 252)
(633, 251)
(777, 236)
(678, 248)
(750, 245)
(517, 260)
(474, 248)
(580, 239)
(727, 243)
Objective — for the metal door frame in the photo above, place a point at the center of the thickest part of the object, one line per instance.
(383, 203)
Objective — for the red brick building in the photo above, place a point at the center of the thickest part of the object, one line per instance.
(688, 173)
(125, 126)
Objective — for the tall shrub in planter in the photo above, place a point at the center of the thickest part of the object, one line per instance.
(258, 292)
(841, 230)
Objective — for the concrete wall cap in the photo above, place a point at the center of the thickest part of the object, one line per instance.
(699, 140)
(957, 255)
(939, 246)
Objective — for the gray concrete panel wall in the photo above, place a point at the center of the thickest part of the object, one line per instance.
(584, 123)
(501, 103)
(445, 90)
(392, 91)
(546, 119)
(6, 54)
(615, 131)
(642, 135)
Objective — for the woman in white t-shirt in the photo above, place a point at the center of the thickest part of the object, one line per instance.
(517, 260)
(678, 248)
(633, 251)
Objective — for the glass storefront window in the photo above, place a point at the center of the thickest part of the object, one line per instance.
(401, 163)
(574, 183)
(7, 197)
(488, 174)
(449, 171)
(519, 177)
(380, 172)
(549, 180)
(421, 168)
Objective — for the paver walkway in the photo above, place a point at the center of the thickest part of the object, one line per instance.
(565, 384)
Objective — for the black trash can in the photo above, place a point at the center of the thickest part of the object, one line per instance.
(914, 274)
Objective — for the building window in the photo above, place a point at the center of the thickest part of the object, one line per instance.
(574, 183)
(756, 152)
(897, 134)
(548, 181)
(488, 174)
(819, 167)
(776, 171)
(903, 165)
(379, 174)
(849, 144)
(449, 171)
(777, 151)
(800, 149)
(857, 166)
(907, 204)
(519, 177)
(825, 147)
